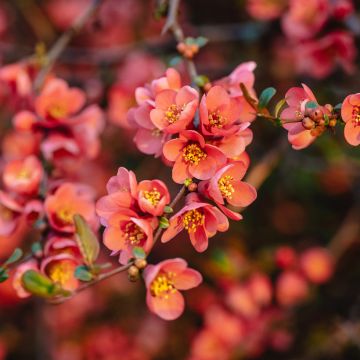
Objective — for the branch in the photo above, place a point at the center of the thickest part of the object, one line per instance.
(172, 24)
(63, 41)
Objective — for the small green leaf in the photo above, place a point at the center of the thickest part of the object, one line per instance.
(201, 80)
(82, 273)
(87, 240)
(4, 275)
(15, 256)
(252, 102)
(36, 248)
(338, 107)
(311, 105)
(265, 97)
(168, 210)
(139, 253)
(38, 284)
(278, 107)
(164, 223)
(201, 41)
(187, 182)
(190, 40)
(175, 61)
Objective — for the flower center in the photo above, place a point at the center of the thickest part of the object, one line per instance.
(193, 154)
(57, 111)
(156, 132)
(152, 196)
(192, 220)
(133, 233)
(24, 174)
(163, 285)
(60, 272)
(217, 120)
(356, 115)
(65, 215)
(225, 186)
(173, 113)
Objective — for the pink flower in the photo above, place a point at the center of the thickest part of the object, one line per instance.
(218, 112)
(56, 245)
(320, 57)
(192, 157)
(341, 9)
(226, 187)
(57, 101)
(61, 270)
(297, 98)
(23, 176)
(350, 113)
(68, 200)
(201, 220)
(174, 110)
(285, 257)
(265, 9)
(163, 282)
(10, 213)
(303, 22)
(122, 190)
(317, 264)
(243, 73)
(291, 288)
(152, 196)
(126, 230)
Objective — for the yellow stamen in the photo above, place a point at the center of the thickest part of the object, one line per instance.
(24, 174)
(192, 220)
(133, 233)
(163, 285)
(356, 115)
(193, 154)
(225, 186)
(152, 196)
(65, 215)
(57, 111)
(216, 119)
(173, 113)
(61, 272)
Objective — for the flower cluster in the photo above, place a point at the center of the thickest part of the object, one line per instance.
(315, 56)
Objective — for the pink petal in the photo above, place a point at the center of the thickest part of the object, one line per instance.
(167, 308)
(187, 279)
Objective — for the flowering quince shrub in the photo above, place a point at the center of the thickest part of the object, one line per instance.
(201, 134)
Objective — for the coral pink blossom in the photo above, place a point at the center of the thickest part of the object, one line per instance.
(174, 110)
(68, 200)
(265, 9)
(260, 288)
(57, 101)
(164, 282)
(192, 157)
(122, 190)
(321, 56)
(302, 22)
(126, 230)
(152, 196)
(10, 213)
(201, 220)
(317, 264)
(17, 279)
(240, 300)
(23, 176)
(61, 270)
(218, 112)
(285, 257)
(341, 9)
(243, 74)
(56, 245)
(350, 113)
(297, 98)
(226, 187)
(291, 288)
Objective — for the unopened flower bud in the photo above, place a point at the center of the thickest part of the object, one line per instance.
(332, 123)
(140, 263)
(329, 107)
(192, 187)
(308, 124)
(207, 86)
(181, 47)
(316, 115)
(133, 273)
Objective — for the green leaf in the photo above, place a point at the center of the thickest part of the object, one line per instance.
(201, 41)
(36, 248)
(87, 240)
(311, 105)
(38, 284)
(190, 40)
(164, 223)
(139, 253)
(201, 80)
(4, 275)
(338, 107)
(168, 210)
(175, 61)
(265, 97)
(15, 256)
(82, 273)
(278, 107)
(252, 102)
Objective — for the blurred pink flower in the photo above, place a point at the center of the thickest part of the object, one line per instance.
(350, 113)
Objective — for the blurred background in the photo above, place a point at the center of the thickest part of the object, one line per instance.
(281, 284)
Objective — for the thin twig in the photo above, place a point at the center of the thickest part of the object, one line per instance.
(63, 41)
(172, 24)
